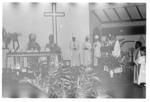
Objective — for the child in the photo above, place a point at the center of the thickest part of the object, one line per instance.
(141, 61)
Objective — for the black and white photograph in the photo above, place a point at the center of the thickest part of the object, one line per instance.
(74, 50)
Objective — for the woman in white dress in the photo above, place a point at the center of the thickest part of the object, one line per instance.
(142, 62)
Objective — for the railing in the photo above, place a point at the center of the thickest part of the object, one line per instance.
(19, 55)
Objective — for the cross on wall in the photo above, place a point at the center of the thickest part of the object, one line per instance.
(54, 14)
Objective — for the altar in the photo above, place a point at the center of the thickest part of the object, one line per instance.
(19, 60)
(110, 64)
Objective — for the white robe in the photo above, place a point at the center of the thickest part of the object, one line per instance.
(136, 68)
(86, 53)
(117, 50)
(142, 74)
(75, 59)
(97, 52)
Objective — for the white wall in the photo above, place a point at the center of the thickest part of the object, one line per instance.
(76, 22)
(26, 18)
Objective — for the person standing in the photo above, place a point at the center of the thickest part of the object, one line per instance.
(142, 62)
(74, 47)
(86, 52)
(136, 55)
(116, 49)
(97, 50)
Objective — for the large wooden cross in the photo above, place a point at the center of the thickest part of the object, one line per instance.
(54, 14)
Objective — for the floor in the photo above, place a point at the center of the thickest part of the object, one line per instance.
(121, 86)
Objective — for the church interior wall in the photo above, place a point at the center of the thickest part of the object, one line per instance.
(24, 18)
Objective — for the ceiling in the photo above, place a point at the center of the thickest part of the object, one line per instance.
(115, 12)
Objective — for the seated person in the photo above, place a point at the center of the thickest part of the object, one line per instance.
(34, 60)
(51, 46)
(55, 49)
(33, 45)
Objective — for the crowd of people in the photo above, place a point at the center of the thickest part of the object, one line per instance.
(112, 47)
(105, 47)
(108, 49)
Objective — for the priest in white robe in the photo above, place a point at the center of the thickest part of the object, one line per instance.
(142, 73)
(74, 47)
(141, 61)
(97, 50)
(86, 52)
(117, 49)
(136, 55)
